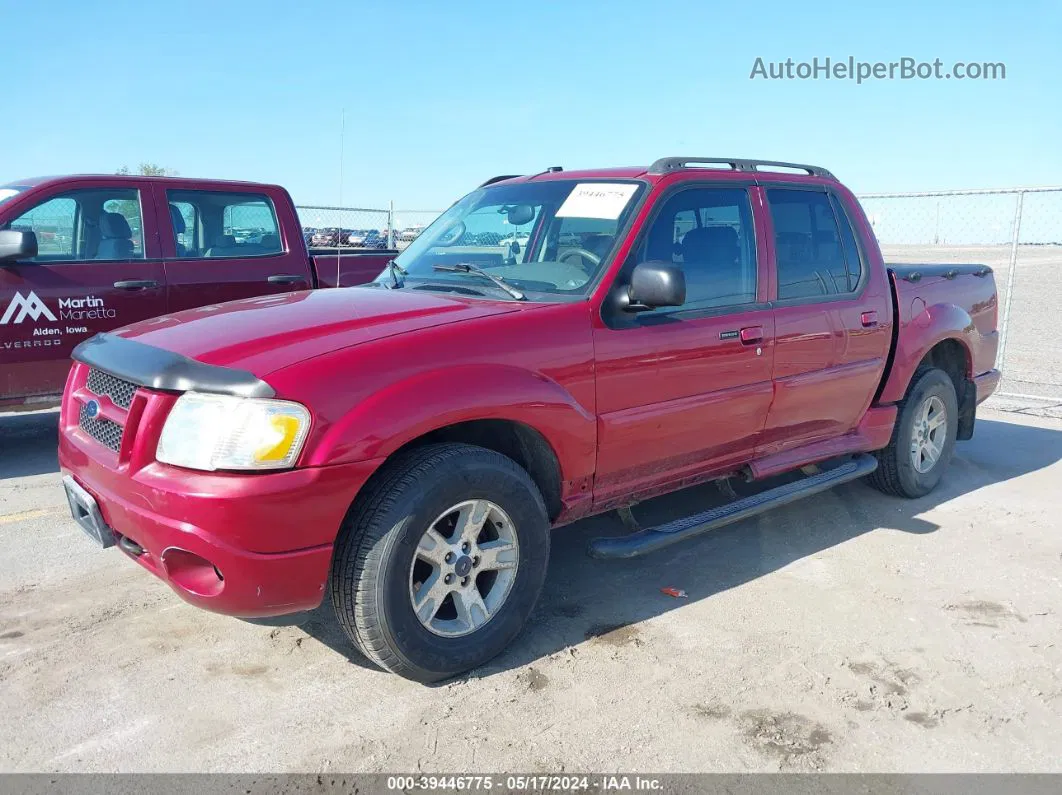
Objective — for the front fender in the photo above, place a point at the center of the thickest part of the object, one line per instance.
(393, 416)
(925, 327)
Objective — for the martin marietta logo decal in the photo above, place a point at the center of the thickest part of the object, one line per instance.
(26, 306)
(31, 306)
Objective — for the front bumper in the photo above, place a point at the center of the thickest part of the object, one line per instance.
(243, 545)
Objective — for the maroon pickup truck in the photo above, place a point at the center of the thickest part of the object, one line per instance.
(405, 447)
(85, 254)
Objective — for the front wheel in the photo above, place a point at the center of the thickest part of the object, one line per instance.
(924, 437)
(441, 561)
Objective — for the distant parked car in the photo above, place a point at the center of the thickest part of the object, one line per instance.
(374, 239)
(485, 239)
(330, 236)
(409, 234)
(244, 235)
(520, 238)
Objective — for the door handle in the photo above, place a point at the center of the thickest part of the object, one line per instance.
(285, 278)
(869, 319)
(751, 335)
(136, 284)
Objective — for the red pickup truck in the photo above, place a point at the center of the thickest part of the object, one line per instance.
(405, 447)
(85, 254)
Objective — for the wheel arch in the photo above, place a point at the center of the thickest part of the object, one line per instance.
(954, 359)
(523, 415)
(939, 336)
(516, 440)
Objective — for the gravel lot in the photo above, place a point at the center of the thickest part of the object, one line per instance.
(850, 632)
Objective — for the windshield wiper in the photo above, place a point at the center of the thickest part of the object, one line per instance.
(394, 269)
(467, 267)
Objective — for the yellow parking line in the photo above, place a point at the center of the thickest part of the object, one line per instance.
(23, 516)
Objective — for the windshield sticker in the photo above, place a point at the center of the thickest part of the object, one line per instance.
(603, 200)
(7, 193)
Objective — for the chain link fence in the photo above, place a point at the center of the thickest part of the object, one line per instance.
(361, 227)
(1018, 232)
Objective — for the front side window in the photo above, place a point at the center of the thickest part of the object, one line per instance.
(549, 239)
(709, 233)
(215, 224)
(83, 225)
(808, 250)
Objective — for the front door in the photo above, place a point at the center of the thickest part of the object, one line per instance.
(684, 391)
(97, 268)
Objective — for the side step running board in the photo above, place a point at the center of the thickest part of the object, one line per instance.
(654, 538)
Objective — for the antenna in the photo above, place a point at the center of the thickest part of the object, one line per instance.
(342, 146)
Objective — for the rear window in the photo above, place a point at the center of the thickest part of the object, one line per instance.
(216, 224)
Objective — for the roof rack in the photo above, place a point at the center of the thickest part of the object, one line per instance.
(499, 178)
(667, 164)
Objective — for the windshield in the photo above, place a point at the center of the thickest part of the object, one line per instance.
(547, 238)
(9, 191)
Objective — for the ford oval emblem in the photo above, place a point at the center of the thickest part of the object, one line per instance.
(92, 409)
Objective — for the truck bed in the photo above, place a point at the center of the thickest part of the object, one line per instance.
(930, 297)
(347, 267)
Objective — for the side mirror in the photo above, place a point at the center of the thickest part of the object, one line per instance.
(16, 244)
(656, 283)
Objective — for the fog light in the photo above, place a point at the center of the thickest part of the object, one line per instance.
(192, 573)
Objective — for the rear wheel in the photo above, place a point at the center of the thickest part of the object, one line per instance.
(441, 561)
(924, 437)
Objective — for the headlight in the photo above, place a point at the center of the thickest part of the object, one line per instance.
(223, 432)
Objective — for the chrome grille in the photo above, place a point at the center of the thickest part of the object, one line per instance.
(119, 391)
(104, 431)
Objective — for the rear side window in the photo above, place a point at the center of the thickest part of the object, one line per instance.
(852, 258)
(216, 224)
(86, 225)
(808, 247)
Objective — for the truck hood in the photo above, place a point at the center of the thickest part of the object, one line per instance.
(265, 334)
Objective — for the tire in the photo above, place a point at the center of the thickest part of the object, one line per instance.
(377, 560)
(897, 473)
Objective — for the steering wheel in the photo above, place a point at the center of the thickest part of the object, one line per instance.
(589, 256)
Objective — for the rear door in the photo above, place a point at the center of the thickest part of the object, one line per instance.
(223, 244)
(831, 314)
(98, 267)
(684, 391)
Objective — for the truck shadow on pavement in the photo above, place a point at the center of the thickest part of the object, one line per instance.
(603, 602)
(29, 444)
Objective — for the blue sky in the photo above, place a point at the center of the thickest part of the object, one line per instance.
(439, 96)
